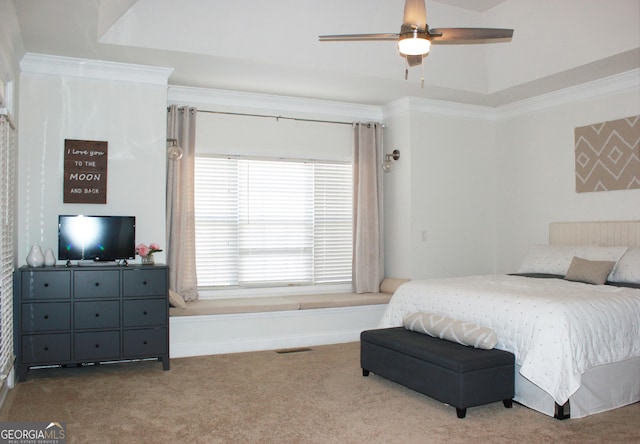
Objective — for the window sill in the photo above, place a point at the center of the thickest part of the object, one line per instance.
(269, 292)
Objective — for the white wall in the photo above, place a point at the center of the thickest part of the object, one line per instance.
(397, 199)
(483, 184)
(453, 181)
(11, 50)
(536, 172)
(439, 201)
(220, 133)
(269, 137)
(56, 104)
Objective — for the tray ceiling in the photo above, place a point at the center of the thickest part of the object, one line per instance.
(272, 47)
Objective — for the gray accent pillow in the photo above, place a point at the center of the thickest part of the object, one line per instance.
(589, 272)
(438, 326)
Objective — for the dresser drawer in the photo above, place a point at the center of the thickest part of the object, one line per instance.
(147, 342)
(144, 312)
(96, 314)
(94, 346)
(46, 316)
(42, 349)
(96, 284)
(45, 284)
(144, 282)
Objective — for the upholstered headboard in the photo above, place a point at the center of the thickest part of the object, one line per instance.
(606, 234)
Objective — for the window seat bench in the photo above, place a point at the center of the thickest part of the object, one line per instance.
(215, 326)
(279, 303)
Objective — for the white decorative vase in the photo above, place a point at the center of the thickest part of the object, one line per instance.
(35, 258)
(49, 258)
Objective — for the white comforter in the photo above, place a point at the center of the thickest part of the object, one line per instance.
(556, 329)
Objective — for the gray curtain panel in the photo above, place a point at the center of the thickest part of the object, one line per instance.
(368, 245)
(181, 242)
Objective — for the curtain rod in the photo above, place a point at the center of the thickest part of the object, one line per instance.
(337, 122)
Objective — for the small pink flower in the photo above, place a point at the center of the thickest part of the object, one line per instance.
(142, 250)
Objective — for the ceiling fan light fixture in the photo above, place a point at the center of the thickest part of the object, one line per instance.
(414, 44)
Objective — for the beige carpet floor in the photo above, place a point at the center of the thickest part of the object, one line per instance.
(317, 396)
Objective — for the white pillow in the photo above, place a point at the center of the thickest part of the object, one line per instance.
(555, 259)
(628, 268)
(612, 254)
(595, 253)
(175, 300)
(550, 259)
(465, 333)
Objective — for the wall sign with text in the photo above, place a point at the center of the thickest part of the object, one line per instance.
(85, 171)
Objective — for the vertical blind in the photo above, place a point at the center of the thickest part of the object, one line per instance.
(265, 222)
(7, 205)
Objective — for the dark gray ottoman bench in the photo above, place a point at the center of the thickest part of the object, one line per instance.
(452, 373)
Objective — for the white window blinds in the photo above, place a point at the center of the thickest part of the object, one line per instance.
(7, 205)
(262, 222)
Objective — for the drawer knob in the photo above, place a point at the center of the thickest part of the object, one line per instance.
(46, 316)
(144, 312)
(97, 345)
(144, 342)
(46, 349)
(144, 282)
(46, 284)
(97, 315)
(97, 284)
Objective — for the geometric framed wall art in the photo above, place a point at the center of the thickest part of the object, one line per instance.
(608, 155)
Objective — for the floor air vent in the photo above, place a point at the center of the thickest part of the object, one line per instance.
(293, 350)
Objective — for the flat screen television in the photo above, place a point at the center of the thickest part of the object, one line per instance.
(96, 238)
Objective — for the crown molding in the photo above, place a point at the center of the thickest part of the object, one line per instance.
(598, 88)
(94, 69)
(226, 100)
(439, 107)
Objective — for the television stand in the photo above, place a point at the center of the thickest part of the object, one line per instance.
(76, 315)
(90, 263)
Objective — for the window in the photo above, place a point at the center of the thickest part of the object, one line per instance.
(7, 249)
(267, 222)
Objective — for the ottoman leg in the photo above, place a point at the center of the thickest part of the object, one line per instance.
(508, 403)
(365, 372)
(461, 412)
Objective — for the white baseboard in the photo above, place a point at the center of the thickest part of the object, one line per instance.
(234, 333)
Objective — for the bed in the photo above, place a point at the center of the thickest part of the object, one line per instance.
(576, 343)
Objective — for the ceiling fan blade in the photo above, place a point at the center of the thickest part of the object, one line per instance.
(415, 13)
(357, 37)
(462, 35)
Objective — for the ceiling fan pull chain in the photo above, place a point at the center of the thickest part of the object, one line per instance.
(422, 74)
(406, 70)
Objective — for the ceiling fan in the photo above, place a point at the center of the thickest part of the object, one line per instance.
(415, 37)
